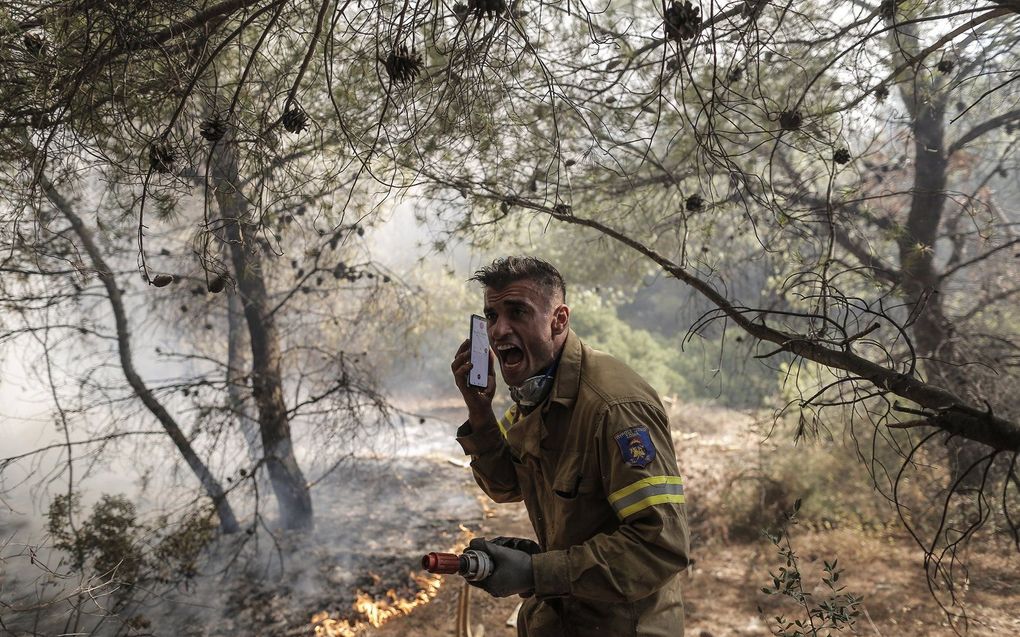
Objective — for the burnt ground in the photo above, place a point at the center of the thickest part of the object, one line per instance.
(723, 593)
(358, 572)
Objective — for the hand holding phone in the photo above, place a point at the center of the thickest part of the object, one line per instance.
(472, 371)
(479, 374)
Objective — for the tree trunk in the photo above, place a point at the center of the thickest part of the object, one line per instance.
(228, 522)
(237, 369)
(267, 381)
(932, 331)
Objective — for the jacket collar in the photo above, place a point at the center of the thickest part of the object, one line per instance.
(568, 373)
(526, 435)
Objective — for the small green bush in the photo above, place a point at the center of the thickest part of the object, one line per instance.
(113, 544)
(107, 541)
(754, 494)
(816, 615)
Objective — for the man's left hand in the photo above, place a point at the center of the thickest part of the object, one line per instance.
(512, 574)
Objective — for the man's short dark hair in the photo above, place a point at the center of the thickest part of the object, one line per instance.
(506, 270)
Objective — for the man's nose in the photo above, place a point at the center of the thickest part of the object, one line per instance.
(498, 329)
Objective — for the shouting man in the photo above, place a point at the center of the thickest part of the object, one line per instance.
(586, 446)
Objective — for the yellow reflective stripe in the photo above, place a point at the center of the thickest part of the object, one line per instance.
(641, 484)
(650, 501)
(647, 492)
(507, 420)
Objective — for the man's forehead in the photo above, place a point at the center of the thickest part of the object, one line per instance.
(523, 291)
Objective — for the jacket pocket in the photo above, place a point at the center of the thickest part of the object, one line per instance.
(569, 479)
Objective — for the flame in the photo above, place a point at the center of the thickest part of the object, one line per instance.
(370, 611)
(325, 626)
(377, 612)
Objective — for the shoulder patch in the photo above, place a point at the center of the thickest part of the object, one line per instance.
(636, 446)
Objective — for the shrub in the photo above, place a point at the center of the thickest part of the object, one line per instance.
(816, 615)
(113, 544)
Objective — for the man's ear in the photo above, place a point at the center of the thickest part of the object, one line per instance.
(560, 319)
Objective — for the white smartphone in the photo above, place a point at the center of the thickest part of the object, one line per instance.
(479, 374)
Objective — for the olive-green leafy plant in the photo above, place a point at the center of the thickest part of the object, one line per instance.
(113, 544)
(820, 614)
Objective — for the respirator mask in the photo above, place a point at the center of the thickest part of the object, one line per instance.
(533, 390)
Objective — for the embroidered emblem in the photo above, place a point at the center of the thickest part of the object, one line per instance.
(636, 446)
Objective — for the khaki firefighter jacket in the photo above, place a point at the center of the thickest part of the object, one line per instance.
(595, 467)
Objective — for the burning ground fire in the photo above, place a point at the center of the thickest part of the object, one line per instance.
(376, 612)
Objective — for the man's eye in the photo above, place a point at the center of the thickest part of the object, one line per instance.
(490, 317)
(517, 312)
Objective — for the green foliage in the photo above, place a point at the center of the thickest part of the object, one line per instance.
(701, 369)
(113, 544)
(763, 484)
(725, 371)
(817, 471)
(599, 325)
(60, 523)
(106, 541)
(821, 471)
(834, 610)
(754, 503)
(177, 553)
(717, 369)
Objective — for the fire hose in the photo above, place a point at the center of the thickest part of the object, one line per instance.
(472, 565)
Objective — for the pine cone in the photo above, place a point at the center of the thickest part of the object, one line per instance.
(752, 8)
(683, 21)
(881, 92)
(694, 203)
(486, 8)
(945, 66)
(402, 66)
(213, 129)
(161, 157)
(162, 280)
(841, 156)
(790, 120)
(33, 44)
(217, 284)
(295, 120)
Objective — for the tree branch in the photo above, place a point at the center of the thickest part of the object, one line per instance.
(952, 413)
(228, 522)
(981, 257)
(59, 445)
(983, 128)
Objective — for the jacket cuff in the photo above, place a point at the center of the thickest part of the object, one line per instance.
(552, 574)
(475, 443)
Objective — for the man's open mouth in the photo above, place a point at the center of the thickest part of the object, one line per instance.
(509, 355)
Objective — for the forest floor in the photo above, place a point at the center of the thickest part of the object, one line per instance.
(723, 591)
(723, 594)
(358, 573)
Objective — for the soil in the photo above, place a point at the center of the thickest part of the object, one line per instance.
(723, 594)
(359, 572)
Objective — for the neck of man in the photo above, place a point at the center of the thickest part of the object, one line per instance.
(534, 390)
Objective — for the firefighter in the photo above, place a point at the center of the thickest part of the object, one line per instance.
(586, 445)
